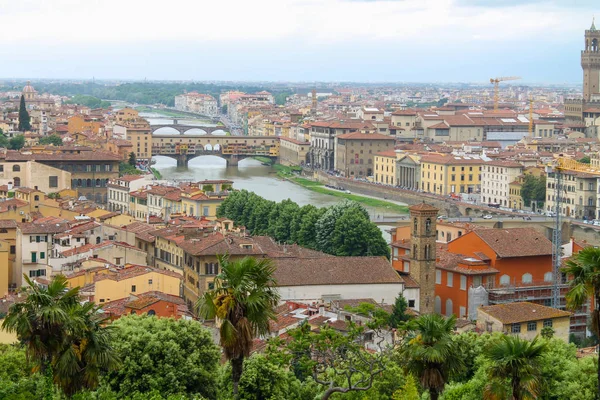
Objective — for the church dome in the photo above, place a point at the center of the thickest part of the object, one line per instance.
(28, 88)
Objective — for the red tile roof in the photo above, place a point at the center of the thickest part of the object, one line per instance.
(517, 312)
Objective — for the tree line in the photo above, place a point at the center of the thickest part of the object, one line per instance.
(65, 349)
(343, 229)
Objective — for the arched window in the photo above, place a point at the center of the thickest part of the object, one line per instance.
(151, 312)
(428, 225)
(415, 252)
(98, 239)
(16, 168)
(97, 182)
(437, 308)
(133, 312)
(89, 183)
(36, 198)
(415, 224)
(548, 277)
(504, 280)
(17, 181)
(427, 251)
(527, 278)
(449, 311)
(79, 183)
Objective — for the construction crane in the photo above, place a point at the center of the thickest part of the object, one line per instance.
(559, 167)
(530, 117)
(496, 81)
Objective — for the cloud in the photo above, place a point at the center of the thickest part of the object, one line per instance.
(288, 39)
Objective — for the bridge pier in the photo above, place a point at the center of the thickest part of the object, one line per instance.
(182, 160)
(232, 161)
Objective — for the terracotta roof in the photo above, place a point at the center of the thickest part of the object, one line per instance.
(148, 298)
(365, 136)
(515, 242)
(129, 178)
(387, 153)
(423, 207)
(334, 271)
(8, 223)
(14, 203)
(34, 227)
(512, 313)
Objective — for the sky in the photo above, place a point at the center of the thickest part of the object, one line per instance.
(296, 40)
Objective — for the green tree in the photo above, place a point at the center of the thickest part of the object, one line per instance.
(132, 160)
(16, 142)
(326, 225)
(355, 235)
(309, 215)
(53, 139)
(17, 380)
(585, 160)
(243, 299)
(166, 355)
(208, 188)
(4, 141)
(533, 189)
(127, 169)
(409, 390)
(399, 315)
(517, 361)
(62, 336)
(88, 101)
(430, 353)
(24, 118)
(584, 269)
(337, 361)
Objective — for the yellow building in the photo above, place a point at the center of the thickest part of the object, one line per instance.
(446, 174)
(80, 123)
(201, 200)
(5, 267)
(8, 236)
(138, 206)
(293, 152)
(169, 256)
(120, 283)
(524, 319)
(385, 168)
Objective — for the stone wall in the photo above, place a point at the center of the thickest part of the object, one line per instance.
(405, 196)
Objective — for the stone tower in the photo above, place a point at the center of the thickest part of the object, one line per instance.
(422, 264)
(313, 107)
(590, 62)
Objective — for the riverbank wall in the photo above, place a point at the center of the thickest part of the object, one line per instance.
(385, 192)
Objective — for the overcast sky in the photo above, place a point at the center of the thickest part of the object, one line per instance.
(298, 40)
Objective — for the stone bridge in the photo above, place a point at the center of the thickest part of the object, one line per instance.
(183, 128)
(232, 148)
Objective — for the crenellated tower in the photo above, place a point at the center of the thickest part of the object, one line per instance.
(590, 62)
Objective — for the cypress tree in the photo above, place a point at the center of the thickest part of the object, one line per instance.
(24, 118)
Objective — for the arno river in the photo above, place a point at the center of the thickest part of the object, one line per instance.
(250, 174)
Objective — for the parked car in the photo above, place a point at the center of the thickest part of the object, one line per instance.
(487, 216)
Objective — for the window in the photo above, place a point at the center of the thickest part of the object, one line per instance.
(526, 278)
(149, 281)
(53, 181)
(16, 168)
(532, 326)
(547, 323)
(504, 280)
(151, 312)
(133, 288)
(449, 307)
(415, 226)
(477, 281)
(407, 266)
(462, 311)
(438, 277)
(516, 328)
(548, 277)
(205, 211)
(450, 279)
(42, 255)
(463, 282)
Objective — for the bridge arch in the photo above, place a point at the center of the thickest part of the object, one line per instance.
(195, 131)
(165, 130)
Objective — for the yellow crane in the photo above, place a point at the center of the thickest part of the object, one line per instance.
(495, 82)
(558, 168)
(530, 116)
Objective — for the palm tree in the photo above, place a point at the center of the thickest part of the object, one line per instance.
(431, 353)
(61, 336)
(584, 271)
(243, 301)
(518, 361)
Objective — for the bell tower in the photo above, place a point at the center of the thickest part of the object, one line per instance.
(422, 261)
(590, 62)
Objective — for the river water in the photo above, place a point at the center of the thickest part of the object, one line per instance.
(250, 174)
